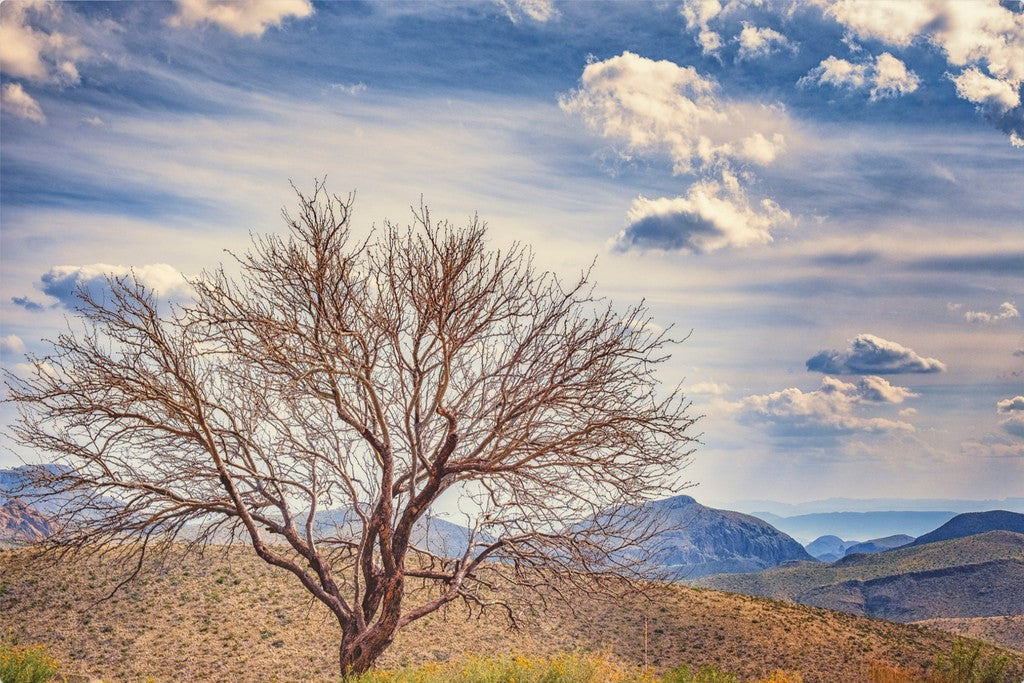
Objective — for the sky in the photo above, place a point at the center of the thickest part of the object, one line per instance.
(826, 196)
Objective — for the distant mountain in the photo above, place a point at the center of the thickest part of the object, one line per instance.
(859, 526)
(828, 548)
(435, 535)
(971, 523)
(877, 505)
(975, 576)
(878, 545)
(20, 523)
(698, 540)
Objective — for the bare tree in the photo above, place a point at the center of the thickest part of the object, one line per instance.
(368, 377)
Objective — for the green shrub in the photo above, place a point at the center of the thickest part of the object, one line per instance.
(706, 674)
(965, 664)
(26, 664)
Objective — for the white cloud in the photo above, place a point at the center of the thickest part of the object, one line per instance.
(757, 43)
(868, 354)
(536, 10)
(1006, 311)
(62, 282)
(713, 215)
(833, 409)
(1011, 405)
(990, 94)
(12, 344)
(698, 14)
(892, 78)
(707, 389)
(660, 108)
(985, 38)
(16, 102)
(887, 77)
(241, 17)
(32, 50)
(349, 88)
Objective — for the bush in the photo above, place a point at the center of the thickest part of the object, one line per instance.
(965, 664)
(569, 668)
(706, 674)
(26, 664)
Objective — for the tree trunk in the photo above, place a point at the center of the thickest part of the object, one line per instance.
(357, 654)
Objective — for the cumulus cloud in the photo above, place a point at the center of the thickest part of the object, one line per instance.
(1011, 405)
(28, 304)
(16, 102)
(833, 409)
(1006, 311)
(713, 215)
(536, 10)
(886, 77)
(757, 43)
(62, 282)
(12, 344)
(241, 17)
(32, 49)
(984, 39)
(698, 15)
(868, 354)
(659, 108)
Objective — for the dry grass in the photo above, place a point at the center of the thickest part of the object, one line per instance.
(230, 617)
(1007, 631)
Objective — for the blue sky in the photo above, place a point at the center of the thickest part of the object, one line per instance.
(828, 193)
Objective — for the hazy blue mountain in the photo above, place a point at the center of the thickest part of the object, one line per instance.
(859, 526)
(956, 505)
(697, 540)
(878, 545)
(435, 535)
(971, 523)
(828, 548)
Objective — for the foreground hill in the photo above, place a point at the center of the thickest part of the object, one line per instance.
(230, 617)
(971, 523)
(975, 576)
(699, 540)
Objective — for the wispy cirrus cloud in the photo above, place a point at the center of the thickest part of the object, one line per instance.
(16, 102)
(659, 108)
(868, 354)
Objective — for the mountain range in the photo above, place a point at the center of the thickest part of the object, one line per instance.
(976, 570)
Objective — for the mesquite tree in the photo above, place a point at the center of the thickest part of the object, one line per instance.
(367, 378)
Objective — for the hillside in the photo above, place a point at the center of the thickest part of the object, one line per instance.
(1007, 631)
(878, 545)
(229, 617)
(980, 575)
(699, 540)
(971, 523)
(20, 523)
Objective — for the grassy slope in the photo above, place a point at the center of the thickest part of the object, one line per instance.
(1006, 630)
(232, 618)
(786, 583)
